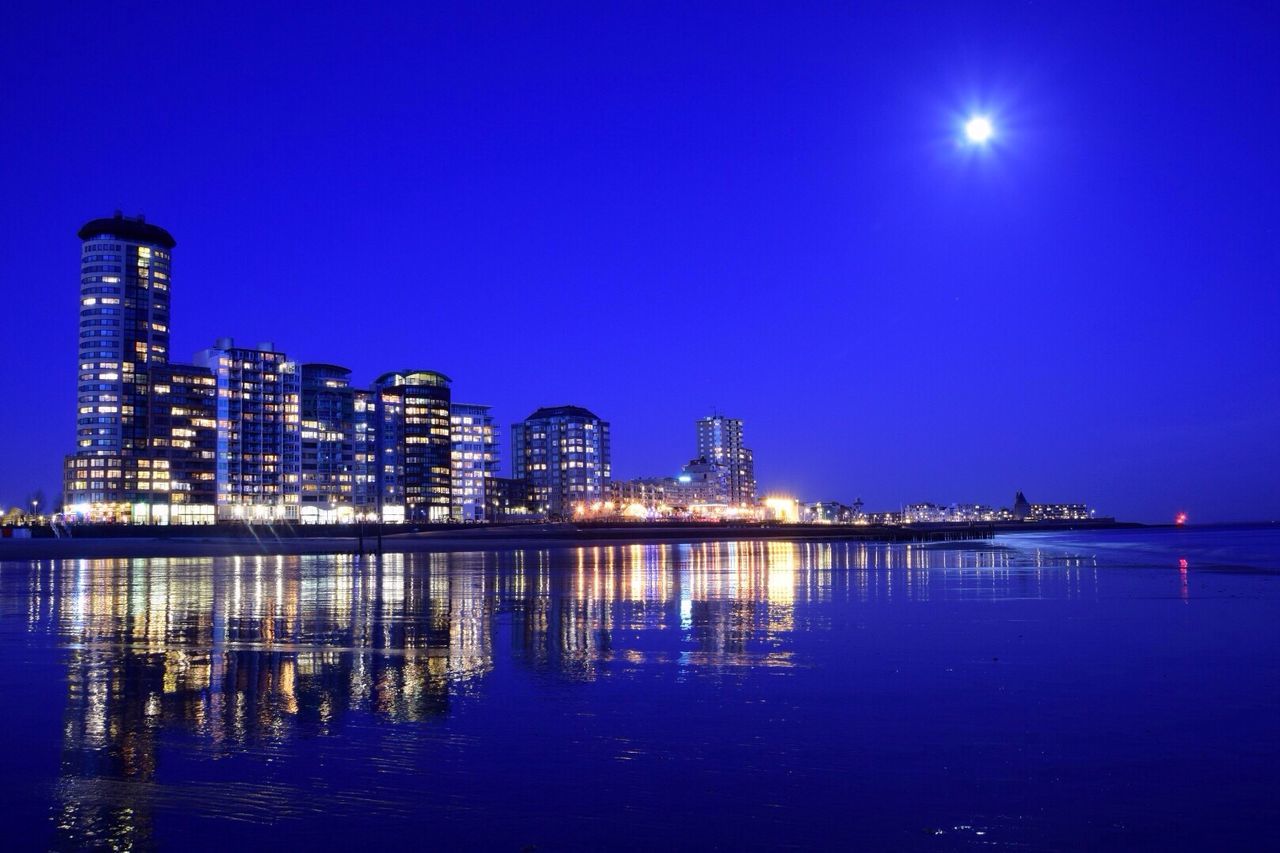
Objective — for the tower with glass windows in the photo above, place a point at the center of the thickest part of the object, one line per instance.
(328, 444)
(474, 459)
(720, 442)
(412, 469)
(259, 464)
(124, 328)
(125, 419)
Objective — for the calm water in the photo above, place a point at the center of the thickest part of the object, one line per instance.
(1045, 692)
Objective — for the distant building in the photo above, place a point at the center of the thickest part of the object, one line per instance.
(701, 484)
(924, 513)
(563, 453)
(328, 444)
(710, 482)
(973, 513)
(413, 442)
(663, 495)
(1024, 510)
(883, 518)
(826, 512)
(259, 430)
(473, 460)
(1059, 512)
(720, 441)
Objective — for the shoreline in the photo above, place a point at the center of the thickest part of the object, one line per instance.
(273, 542)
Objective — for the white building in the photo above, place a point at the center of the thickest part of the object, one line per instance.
(473, 460)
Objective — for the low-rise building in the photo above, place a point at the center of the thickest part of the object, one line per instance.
(510, 499)
(1059, 512)
(826, 512)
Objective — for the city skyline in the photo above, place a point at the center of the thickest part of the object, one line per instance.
(665, 215)
(720, 438)
(244, 432)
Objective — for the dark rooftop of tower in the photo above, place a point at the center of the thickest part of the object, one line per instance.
(324, 367)
(128, 228)
(562, 412)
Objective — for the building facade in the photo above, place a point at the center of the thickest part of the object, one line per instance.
(1060, 512)
(169, 480)
(183, 411)
(708, 482)
(826, 512)
(259, 431)
(412, 470)
(509, 499)
(124, 330)
(563, 453)
(720, 441)
(327, 445)
(142, 427)
(473, 460)
(365, 446)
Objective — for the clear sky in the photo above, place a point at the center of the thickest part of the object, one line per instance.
(653, 210)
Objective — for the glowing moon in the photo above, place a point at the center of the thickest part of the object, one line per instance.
(979, 130)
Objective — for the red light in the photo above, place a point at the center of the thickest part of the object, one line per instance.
(1180, 518)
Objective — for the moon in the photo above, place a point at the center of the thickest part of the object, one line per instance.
(979, 130)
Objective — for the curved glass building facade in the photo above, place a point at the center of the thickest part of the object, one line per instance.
(412, 468)
(124, 329)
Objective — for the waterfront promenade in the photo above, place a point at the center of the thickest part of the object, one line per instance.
(272, 540)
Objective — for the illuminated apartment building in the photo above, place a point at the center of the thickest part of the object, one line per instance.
(172, 480)
(259, 436)
(648, 492)
(563, 453)
(143, 441)
(707, 482)
(720, 441)
(924, 513)
(1060, 512)
(412, 468)
(473, 459)
(364, 437)
(182, 421)
(124, 329)
(327, 444)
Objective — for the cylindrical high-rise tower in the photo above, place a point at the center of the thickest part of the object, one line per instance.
(124, 329)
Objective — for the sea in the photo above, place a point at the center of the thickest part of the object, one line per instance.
(1105, 690)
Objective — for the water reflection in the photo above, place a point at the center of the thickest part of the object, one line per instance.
(235, 656)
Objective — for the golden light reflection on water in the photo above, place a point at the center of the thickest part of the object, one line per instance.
(242, 654)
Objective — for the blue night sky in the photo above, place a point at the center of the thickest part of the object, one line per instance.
(652, 210)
